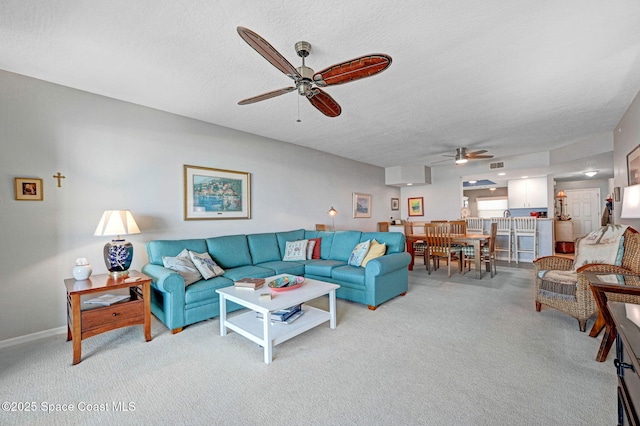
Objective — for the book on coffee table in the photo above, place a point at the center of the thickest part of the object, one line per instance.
(251, 283)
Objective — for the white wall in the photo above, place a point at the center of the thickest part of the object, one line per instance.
(117, 155)
(626, 137)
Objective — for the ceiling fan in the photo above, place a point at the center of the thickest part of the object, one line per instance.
(308, 82)
(462, 155)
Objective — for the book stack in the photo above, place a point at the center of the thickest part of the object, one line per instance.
(285, 316)
(108, 299)
(249, 283)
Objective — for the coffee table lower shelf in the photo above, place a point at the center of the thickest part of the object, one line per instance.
(251, 327)
(264, 332)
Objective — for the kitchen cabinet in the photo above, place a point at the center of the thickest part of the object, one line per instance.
(528, 193)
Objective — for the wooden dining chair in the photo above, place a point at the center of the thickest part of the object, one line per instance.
(487, 252)
(383, 226)
(458, 226)
(418, 246)
(321, 227)
(438, 246)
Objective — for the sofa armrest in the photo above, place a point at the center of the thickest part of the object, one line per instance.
(164, 279)
(388, 263)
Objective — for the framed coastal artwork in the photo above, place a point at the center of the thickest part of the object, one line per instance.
(633, 166)
(216, 194)
(28, 189)
(361, 205)
(416, 206)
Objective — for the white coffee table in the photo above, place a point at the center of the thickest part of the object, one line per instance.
(269, 335)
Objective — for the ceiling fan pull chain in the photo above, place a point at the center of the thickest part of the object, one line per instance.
(298, 120)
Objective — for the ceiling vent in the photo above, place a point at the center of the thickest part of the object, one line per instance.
(498, 165)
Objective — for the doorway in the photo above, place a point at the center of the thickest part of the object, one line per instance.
(584, 208)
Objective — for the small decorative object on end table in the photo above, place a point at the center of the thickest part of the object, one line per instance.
(82, 270)
(85, 320)
(118, 253)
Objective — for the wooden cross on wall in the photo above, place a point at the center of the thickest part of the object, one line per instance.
(59, 176)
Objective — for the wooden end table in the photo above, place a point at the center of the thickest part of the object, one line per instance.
(86, 320)
(601, 283)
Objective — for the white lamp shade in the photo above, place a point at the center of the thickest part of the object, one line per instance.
(117, 222)
(631, 202)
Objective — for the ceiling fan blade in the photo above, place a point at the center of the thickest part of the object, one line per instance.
(482, 151)
(474, 157)
(267, 95)
(324, 103)
(268, 52)
(364, 66)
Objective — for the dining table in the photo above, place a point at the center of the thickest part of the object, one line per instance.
(476, 240)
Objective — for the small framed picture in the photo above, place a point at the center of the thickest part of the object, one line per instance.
(395, 204)
(416, 206)
(633, 166)
(28, 189)
(361, 205)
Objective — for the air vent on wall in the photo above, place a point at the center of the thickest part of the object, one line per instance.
(498, 165)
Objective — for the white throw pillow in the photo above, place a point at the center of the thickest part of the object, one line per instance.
(358, 253)
(183, 265)
(205, 264)
(296, 250)
(310, 246)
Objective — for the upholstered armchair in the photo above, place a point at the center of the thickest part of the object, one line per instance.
(571, 292)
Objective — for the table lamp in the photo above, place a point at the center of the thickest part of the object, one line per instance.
(118, 253)
(332, 212)
(631, 202)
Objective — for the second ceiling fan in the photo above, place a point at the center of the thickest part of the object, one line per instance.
(462, 155)
(308, 82)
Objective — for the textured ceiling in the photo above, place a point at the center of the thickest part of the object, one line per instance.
(510, 77)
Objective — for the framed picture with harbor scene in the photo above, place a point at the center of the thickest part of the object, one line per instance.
(216, 194)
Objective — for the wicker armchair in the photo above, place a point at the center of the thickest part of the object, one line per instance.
(584, 306)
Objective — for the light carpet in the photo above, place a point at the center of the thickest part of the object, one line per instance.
(457, 351)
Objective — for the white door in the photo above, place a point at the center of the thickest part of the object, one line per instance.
(583, 205)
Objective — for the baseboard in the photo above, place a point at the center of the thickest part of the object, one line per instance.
(32, 337)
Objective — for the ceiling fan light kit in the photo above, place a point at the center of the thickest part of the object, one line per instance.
(308, 82)
(462, 155)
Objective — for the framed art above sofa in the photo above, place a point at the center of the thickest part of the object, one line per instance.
(216, 194)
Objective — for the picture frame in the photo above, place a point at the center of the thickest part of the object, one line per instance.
(28, 189)
(633, 166)
(416, 206)
(395, 204)
(211, 194)
(361, 205)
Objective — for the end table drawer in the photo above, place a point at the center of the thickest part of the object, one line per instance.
(120, 315)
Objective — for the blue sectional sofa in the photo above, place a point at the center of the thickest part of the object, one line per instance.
(260, 256)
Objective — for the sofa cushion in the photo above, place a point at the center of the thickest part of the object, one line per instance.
(230, 251)
(295, 250)
(206, 265)
(263, 247)
(283, 237)
(250, 271)
(322, 268)
(358, 253)
(376, 249)
(183, 265)
(343, 244)
(349, 274)
(282, 267)
(395, 241)
(205, 290)
(172, 248)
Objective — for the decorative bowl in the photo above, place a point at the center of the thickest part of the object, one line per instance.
(288, 282)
